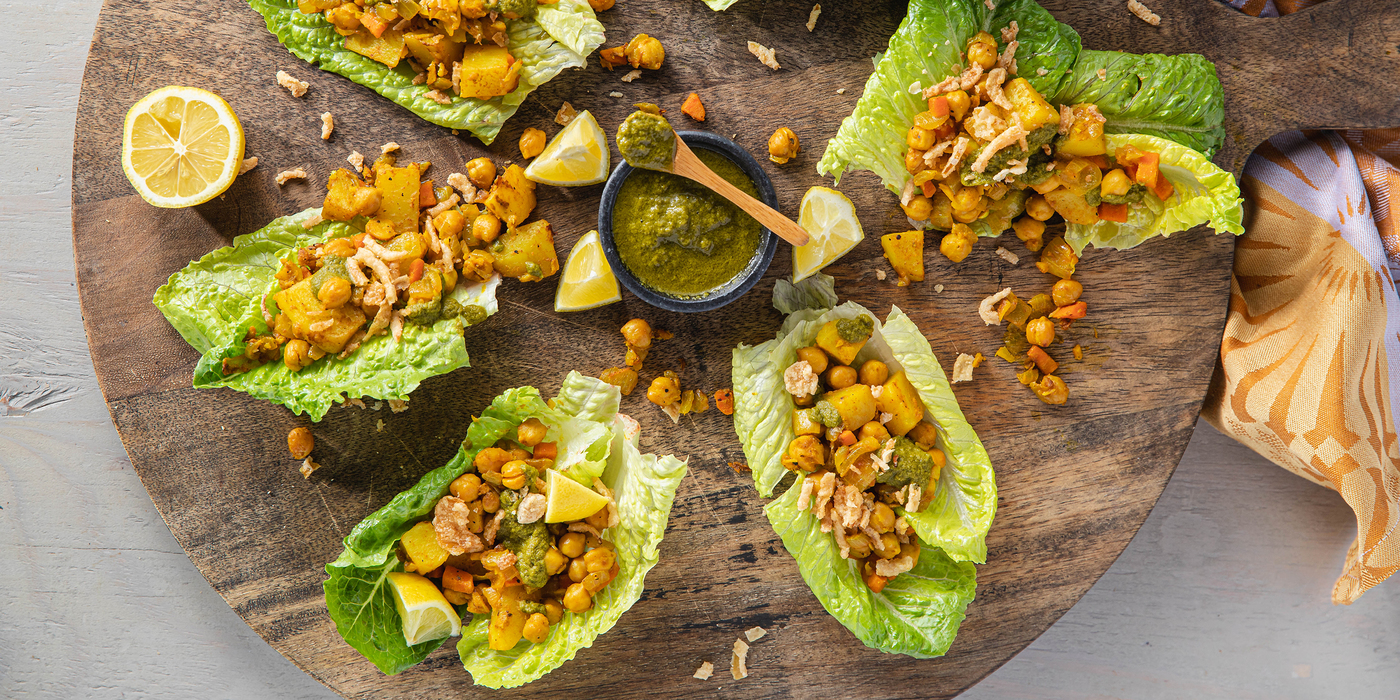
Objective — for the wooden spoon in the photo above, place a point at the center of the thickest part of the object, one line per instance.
(688, 165)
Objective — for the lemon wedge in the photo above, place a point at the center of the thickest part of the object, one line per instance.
(426, 614)
(181, 146)
(569, 500)
(588, 282)
(578, 155)
(829, 217)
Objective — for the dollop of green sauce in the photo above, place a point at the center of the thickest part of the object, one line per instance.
(647, 141)
(1134, 195)
(855, 330)
(527, 542)
(516, 9)
(826, 414)
(911, 466)
(471, 314)
(680, 238)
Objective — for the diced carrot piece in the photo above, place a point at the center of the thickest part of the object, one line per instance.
(358, 239)
(546, 450)
(939, 106)
(848, 438)
(426, 198)
(1127, 155)
(415, 271)
(694, 108)
(1099, 161)
(1164, 188)
(1129, 170)
(435, 573)
(930, 188)
(614, 56)
(1071, 311)
(372, 22)
(1113, 212)
(1147, 170)
(454, 579)
(1042, 360)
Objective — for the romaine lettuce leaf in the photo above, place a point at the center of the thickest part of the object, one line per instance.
(1175, 97)
(965, 501)
(1203, 194)
(918, 612)
(214, 300)
(559, 38)
(923, 51)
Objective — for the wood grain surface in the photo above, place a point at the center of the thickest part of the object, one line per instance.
(1075, 482)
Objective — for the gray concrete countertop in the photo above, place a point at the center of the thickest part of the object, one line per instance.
(1224, 593)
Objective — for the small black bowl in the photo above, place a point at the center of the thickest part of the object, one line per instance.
(735, 288)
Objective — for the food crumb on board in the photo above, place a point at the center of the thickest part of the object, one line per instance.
(307, 467)
(356, 159)
(880, 275)
(812, 18)
(293, 174)
(768, 56)
(398, 405)
(631, 75)
(987, 309)
(356, 402)
(1078, 352)
(248, 164)
(962, 367)
(327, 125)
(388, 147)
(1143, 13)
(1007, 255)
(706, 670)
(455, 132)
(565, 114)
(754, 634)
(294, 86)
(379, 426)
(376, 405)
(312, 221)
(841, 91)
(938, 288)
(738, 663)
(614, 94)
(694, 108)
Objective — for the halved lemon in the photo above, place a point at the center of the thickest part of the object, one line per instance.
(829, 217)
(181, 146)
(578, 155)
(426, 614)
(588, 282)
(569, 500)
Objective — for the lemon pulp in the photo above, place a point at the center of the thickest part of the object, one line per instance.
(570, 500)
(181, 146)
(425, 613)
(829, 217)
(588, 282)
(578, 155)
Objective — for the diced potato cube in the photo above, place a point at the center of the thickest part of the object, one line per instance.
(488, 71)
(433, 47)
(1085, 137)
(1034, 110)
(804, 422)
(845, 351)
(1072, 206)
(905, 251)
(421, 545)
(348, 197)
(301, 308)
(388, 49)
(901, 400)
(855, 404)
(526, 253)
(399, 189)
(507, 619)
(512, 197)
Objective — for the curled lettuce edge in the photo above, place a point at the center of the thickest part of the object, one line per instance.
(213, 301)
(964, 502)
(557, 38)
(644, 487)
(1202, 193)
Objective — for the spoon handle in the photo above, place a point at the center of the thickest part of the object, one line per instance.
(688, 165)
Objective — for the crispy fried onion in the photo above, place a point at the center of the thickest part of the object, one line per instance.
(964, 81)
(994, 92)
(1012, 134)
(955, 160)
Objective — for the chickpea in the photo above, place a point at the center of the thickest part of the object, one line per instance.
(957, 245)
(840, 377)
(982, 54)
(531, 432)
(874, 429)
(919, 207)
(887, 547)
(491, 459)
(490, 502)
(578, 569)
(967, 217)
(913, 160)
(597, 581)
(481, 171)
(1066, 292)
(859, 544)
(513, 475)
(555, 562)
(874, 372)
(644, 52)
(663, 391)
(882, 518)
(553, 611)
(571, 545)
(486, 228)
(536, 628)
(600, 5)
(334, 292)
(1115, 182)
(804, 401)
(939, 460)
(1039, 209)
(967, 198)
(466, 487)
(296, 354)
(958, 104)
(783, 145)
(910, 549)
(531, 143)
(600, 559)
(598, 520)
(637, 333)
(300, 442)
(924, 434)
(805, 452)
(1031, 232)
(449, 223)
(577, 599)
(813, 356)
(1040, 331)
(921, 139)
(1051, 389)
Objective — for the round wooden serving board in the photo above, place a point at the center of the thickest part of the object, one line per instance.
(1075, 481)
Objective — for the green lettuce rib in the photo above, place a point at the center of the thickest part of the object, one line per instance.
(560, 37)
(214, 300)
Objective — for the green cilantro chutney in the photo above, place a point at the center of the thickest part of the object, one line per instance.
(647, 140)
(680, 238)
